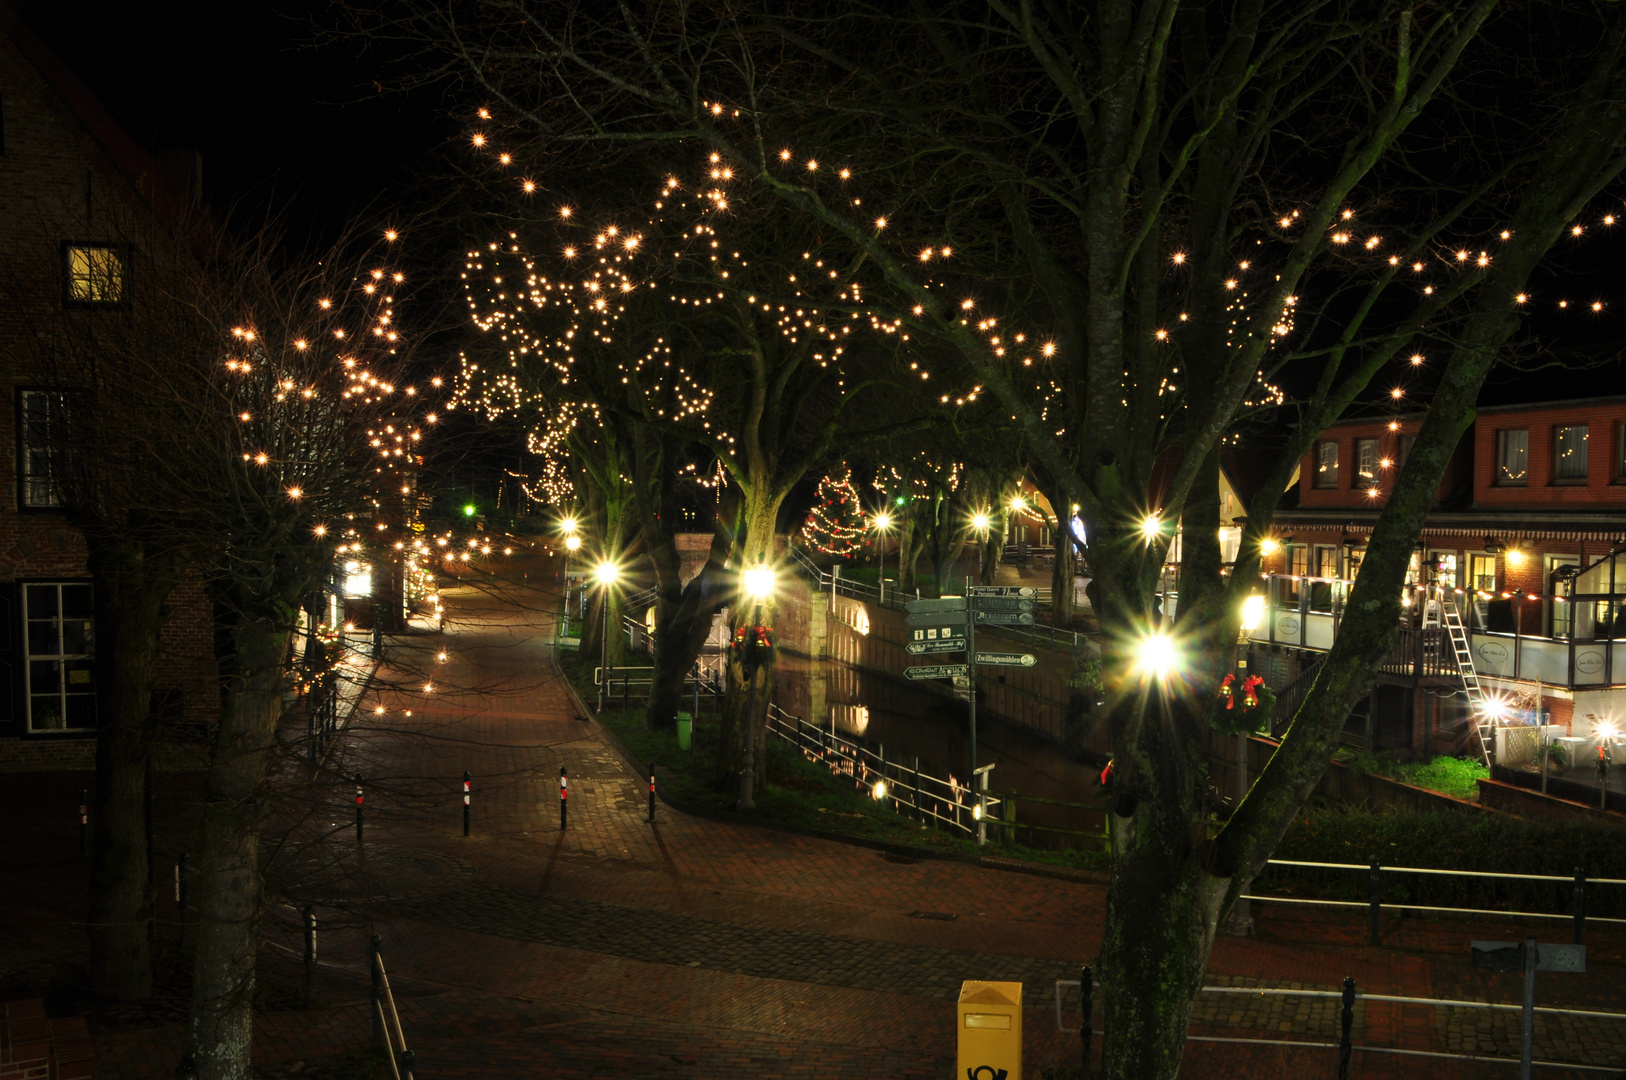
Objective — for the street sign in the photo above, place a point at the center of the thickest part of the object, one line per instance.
(1006, 659)
(1509, 956)
(947, 603)
(1005, 618)
(1027, 592)
(1006, 603)
(941, 645)
(936, 618)
(935, 671)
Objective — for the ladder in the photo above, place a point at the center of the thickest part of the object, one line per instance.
(1485, 722)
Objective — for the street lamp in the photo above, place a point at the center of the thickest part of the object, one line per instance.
(758, 584)
(606, 574)
(882, 522)
(979, 522)
(573, 544)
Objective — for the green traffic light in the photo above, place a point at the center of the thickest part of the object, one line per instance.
(468, 511)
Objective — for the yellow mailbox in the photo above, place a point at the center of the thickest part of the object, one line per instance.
(990, 1031)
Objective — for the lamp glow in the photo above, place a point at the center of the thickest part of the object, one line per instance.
(468, 511)
(1156, 655)
(573, 543)
(568, 525)
(980, 522)
(883, 521)
(758, 582)
(880, 790)
(607, 573)
(1269, 547)
(1151, 526)
(1253, 612)
(1019, 504)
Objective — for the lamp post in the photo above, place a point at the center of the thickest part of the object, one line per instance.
(573, 544)
(882, 522)
(607, 574)
(1253, 612)
(758, 584)
(979, 522)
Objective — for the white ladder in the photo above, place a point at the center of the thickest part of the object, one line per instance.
(1470, 678)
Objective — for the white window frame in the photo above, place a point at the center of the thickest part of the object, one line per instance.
(61, 659)
(38, 490)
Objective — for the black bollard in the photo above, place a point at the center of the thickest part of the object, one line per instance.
(564, 798)
(84, 821)
(1375, 892)
(652, 792)
(1580, 903)
(1086, 986)
(1346, 1020)
(358, 809)
(465, 802)
(310, 958)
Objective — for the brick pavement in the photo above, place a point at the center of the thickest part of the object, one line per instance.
(696, 948)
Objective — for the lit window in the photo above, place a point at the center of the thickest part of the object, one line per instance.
(61, 648)
(1512, 457)
(95, 274)
(1326, 464)
(1366, 458)
(1569, 453)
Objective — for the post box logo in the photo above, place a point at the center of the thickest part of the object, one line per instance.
(985, 1072)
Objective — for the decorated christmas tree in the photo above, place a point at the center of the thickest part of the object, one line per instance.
(835, 526)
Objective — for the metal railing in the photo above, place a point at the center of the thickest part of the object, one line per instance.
(387, 1033)
(706, 676)
(947, 803)
(1375, 904)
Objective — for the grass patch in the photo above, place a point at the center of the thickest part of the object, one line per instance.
(795, 791)
(1453, 776)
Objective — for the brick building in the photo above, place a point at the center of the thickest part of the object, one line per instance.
(1525, 538)
(79, 200)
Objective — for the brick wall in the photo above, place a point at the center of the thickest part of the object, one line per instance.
(1604, 488)
(33, 1047)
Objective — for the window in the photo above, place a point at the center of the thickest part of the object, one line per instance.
(1561, 582)
(1482, 572)
(40, 457)
(1512, 457)
(1569, 454)
(1298, 560)
(1326, 464)
(61, 648)
(1446, 568)
(95, 274)
(1326, 561)
(1366, 459)
(1620, 453)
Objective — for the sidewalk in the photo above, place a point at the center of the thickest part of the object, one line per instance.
(694, 948)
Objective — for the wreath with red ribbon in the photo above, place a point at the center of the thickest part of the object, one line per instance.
(759, 637)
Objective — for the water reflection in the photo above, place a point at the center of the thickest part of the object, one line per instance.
(918, 726)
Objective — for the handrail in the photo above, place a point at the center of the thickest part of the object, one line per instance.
(403, 1062)
(1449, 873)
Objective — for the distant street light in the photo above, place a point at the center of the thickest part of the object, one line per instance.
(606, 574)
(882, 522)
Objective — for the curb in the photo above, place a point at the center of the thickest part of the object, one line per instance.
(991, 862)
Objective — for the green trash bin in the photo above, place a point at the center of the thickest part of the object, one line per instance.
(685, 726)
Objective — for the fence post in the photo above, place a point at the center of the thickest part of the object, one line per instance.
(310, 958)
(564, 798)
(652, 789)
(380, 1041)
(1580, 902)
(358, 809)
(1086, 989)
(466, 802)
(84, 821)
(1346, 1020)
(1376, 890)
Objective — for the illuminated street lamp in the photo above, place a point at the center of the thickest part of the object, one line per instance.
(881, 523)
(757, 583)
(573, 544)
(606, 574)
(979, 522)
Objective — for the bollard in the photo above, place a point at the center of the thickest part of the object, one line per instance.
(358, 808)
(1086, 987)
(651, 792)
(379, 1039)
(564, 798)
(310, 958)
(1580, 902)
(1377, 935)
(84, 821)
(465, 802)
(1346, 1020)
(182, 885)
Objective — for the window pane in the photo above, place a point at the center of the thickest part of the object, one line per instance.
(95, 275)
(1569, 452)
(45, 713)
(81, 710)
(42, 637)
(1326, 473)
(44, 676)
(76, 601)
(1366, 458)
(1512, 455)
(41, 600)
(76, 637)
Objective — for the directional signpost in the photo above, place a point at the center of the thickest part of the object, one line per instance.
(936, 671)
(941, 645)
(1026, 592)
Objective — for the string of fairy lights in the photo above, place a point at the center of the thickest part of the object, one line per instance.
(836, 525)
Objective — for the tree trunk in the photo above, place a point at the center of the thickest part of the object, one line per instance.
(908, 553)
(131, 588)
(682, 633)
(220, 1027)
(759, 512)
(1062, 575)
